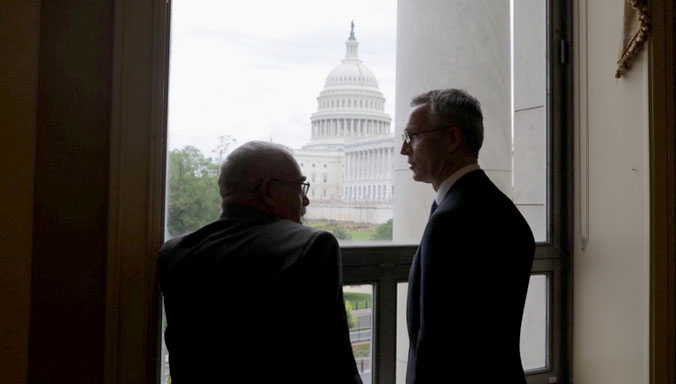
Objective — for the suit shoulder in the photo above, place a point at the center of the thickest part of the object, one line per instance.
(294, 229)
(289, 231)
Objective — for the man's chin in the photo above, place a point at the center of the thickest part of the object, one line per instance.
(420, 178)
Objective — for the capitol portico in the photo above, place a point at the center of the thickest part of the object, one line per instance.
(349, 158)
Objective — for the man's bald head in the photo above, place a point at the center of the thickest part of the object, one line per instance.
(264, 176)
(247, 166)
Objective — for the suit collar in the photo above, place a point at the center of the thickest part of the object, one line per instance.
(237, 211)
(447, 184)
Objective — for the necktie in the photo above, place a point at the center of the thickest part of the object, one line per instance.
(434, 207)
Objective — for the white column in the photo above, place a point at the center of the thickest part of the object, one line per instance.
(357, 165)
(348, 166)
(348, 162)
(367, 163)
(377, 164)
(429, 64)
(348, 174)
(381, 171)
(389, 162)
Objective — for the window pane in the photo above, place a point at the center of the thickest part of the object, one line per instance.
(506, 72)
(318, 85)
(164, 353)
(529, 113)
(402, 334)
(534, 325)
(359, 307)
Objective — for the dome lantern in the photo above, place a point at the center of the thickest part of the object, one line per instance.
(351, 45)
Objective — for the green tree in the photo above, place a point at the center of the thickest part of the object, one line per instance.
(340, 232)
(221, 150)
(193, 198)
(384, 231)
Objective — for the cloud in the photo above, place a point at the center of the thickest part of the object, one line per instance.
(254, 69)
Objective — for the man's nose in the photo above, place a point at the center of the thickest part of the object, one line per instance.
(404, 148)
(306, 201)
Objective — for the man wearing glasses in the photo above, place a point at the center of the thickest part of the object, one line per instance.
(256, 297)
(469, 277)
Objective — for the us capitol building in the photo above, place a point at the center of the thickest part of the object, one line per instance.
(349, 158)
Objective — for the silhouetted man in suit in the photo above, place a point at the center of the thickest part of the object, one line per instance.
(256, 297)
(469, 277)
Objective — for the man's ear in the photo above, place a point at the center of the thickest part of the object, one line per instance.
(456, 140)
(264, 192)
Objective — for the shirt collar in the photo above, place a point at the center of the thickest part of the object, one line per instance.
(450, 180)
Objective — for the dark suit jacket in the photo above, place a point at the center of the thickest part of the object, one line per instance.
(467, 288)
(252, 299)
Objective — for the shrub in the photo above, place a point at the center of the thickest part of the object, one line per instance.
(384, 231)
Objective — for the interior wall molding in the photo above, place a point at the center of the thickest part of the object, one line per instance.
(582, 113)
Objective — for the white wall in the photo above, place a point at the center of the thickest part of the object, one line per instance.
(611, 275)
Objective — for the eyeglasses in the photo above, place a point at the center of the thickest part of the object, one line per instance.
(304, 186)
(407, 136)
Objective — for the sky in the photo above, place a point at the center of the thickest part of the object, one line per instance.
(253, 69)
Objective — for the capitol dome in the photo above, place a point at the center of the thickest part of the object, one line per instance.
(351, 72)
(350, 105)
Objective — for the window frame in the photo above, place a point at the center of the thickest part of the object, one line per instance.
(385, 266)
(137, 140)
(138, 152)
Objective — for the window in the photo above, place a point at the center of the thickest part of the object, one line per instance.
(528, 143)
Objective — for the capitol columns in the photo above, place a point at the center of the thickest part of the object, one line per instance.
(444, 45)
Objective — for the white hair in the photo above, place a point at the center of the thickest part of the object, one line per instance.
(246, 167)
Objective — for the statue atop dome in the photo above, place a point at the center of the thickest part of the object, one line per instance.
(352, 31)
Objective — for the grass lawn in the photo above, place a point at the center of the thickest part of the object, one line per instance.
(362, 349)
(358, 300)
(361, 235)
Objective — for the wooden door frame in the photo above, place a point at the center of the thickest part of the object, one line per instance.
(662, 112)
